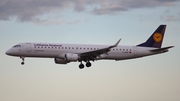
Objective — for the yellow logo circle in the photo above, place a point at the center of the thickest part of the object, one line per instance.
(157, 37)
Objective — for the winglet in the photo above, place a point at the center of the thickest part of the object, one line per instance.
(115, 45)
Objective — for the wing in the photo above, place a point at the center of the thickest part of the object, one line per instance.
(92, 55)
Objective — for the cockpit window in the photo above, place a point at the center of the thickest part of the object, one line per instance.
(16, 46)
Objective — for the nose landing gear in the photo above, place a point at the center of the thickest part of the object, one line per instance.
(22, 63)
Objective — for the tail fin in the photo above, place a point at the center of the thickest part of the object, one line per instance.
(156, 39)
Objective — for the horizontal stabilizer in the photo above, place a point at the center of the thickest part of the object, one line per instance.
(164, 49)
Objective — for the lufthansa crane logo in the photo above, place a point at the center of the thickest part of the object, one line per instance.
(157, 37)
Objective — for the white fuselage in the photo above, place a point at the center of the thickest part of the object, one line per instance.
(48, 50)
(65, 53)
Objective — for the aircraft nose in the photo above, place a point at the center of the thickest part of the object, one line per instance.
(8, 52)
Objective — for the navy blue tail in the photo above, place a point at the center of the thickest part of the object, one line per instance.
(156, 39)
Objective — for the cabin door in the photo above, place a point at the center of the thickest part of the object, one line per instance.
(28, 47)
(135, 50)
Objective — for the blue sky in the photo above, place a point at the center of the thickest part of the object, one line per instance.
(154, 78)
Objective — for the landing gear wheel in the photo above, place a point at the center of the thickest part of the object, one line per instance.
(22, 63)
(81, 66)
(88, 64)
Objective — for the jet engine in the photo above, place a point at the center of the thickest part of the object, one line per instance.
(71, 57)
(60, 61)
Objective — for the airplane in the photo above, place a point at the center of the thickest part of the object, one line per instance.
(66, 53)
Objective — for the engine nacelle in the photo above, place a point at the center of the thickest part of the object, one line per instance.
(71, 57)
(60, 61)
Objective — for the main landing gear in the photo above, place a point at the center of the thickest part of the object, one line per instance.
(81, 66)
(22, 63)
(88, 64)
